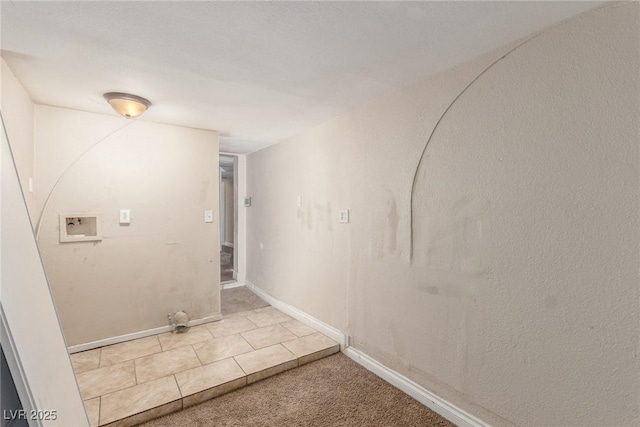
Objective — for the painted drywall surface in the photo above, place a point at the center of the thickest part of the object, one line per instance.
(263, 81)
(240, 187)
(166, 259)
(221, 209)
(17, 110)
(52, 158)
(36, 349)
(240, 245)
(522, 302)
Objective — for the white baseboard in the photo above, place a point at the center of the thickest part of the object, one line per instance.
(312, 322)
(135, 335)
(448, 410)
(422, 395)
(204, 320)
(230, 285)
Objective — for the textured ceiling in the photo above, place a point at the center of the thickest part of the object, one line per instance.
(255, 71)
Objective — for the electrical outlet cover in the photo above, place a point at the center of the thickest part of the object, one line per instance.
(125, 216)
(344, 216)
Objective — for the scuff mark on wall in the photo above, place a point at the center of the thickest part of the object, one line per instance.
(309, 219)
(396, 338)
(164, 257)
(444, 113)
(515, 204)
(457, 244)
(204, 189)
(392, 223)
(323, 214)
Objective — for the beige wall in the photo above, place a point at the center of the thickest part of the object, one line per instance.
(521, 304)
(240, 239)
(240, 248)
(17, 111)
(166, 259)
(33, 343)
(27, 308)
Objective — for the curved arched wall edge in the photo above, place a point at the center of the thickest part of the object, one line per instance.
(518, 198)
(166, 259)
(524, 280)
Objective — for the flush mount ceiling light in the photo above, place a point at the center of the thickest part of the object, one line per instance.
(127, 105)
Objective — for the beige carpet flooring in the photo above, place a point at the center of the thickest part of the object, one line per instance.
(334, 391)
(239, 299)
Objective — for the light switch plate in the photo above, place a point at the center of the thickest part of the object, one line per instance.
(125, 216)
(299, 201)
(343, 216)
(208, 216)
(247, 202)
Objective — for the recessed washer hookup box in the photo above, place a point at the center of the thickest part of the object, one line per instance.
(80, 227)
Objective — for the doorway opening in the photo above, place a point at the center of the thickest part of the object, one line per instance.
(228, 219)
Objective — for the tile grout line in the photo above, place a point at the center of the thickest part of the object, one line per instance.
(245, 377)
(210, 333)
(135, 371)
(214, 336)
(238, 363)
(179, 388)
(197, 355)
(159, 345)
(244, 338)
(137, 413)
(253, 323)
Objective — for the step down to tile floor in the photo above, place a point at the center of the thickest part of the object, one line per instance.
(132, 382)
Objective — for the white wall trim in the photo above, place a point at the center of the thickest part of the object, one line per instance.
(203, 320)
(15, 367)
(318, 325)
(448, 410)
(120, 338)
(135, 335)
(422, 395)
(230, 285)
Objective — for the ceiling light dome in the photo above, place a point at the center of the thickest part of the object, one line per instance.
(127, 105)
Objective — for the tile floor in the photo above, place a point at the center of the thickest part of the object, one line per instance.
(234, 300)
(128, 383)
